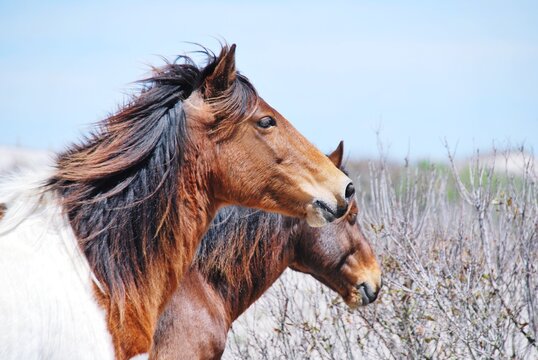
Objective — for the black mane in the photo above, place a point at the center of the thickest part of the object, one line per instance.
(239, 244)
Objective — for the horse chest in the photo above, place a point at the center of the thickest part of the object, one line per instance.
(47, 308)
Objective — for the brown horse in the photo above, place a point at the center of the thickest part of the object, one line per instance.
(134, 200)
(241, 256)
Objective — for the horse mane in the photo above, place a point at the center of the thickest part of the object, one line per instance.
(241, 243)
(119, 187)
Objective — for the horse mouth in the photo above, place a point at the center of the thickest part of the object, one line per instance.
(361, 295)
(358, 295)
(354, 294)
(355, 299)
(320, 213)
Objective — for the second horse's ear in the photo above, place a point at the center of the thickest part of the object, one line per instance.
(223, 75)
(337, 155)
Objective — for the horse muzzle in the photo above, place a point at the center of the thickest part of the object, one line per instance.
(367, 292)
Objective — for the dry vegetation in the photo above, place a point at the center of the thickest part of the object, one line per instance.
(459, 249)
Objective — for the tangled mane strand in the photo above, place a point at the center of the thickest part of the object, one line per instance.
(240, 244)
(119, 187)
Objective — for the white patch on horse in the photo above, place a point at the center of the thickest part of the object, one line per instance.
(47, 306)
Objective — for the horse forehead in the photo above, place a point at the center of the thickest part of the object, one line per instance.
(265, 109)
(342, 236)
(263, 105)
(328, 240)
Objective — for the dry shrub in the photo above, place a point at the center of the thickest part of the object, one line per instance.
(459, 249)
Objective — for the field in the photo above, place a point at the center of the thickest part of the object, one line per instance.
(459, 248)
(458, 245)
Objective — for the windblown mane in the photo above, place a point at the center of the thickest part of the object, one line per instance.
(119, 188)
(241, 243)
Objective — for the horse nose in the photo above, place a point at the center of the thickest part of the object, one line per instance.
(367, 292)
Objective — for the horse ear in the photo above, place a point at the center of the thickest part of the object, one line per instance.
(337, 155)
(223, 75)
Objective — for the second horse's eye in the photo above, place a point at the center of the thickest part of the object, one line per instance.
(266, 122)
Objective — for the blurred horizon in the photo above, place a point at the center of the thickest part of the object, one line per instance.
(416, 73)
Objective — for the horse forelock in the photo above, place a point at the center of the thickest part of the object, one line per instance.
(235, 105)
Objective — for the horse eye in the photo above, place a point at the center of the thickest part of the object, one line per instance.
(266, 122)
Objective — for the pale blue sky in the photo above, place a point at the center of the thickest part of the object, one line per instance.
(419, 71)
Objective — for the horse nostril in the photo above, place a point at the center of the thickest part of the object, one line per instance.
(350, 190)
(367, 293)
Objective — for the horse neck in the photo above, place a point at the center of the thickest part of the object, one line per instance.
(237, 299)
(201, 312)
(194, 323)
(132, 331)
(197, 207)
